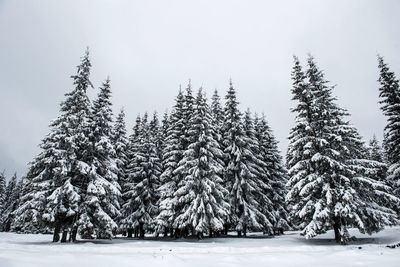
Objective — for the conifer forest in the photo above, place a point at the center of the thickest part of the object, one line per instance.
(208, 168)
(187, 133)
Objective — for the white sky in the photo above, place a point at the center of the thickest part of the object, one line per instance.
(150, 47)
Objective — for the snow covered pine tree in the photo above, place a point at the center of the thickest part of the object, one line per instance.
(72, 164)
(100, 201)
(240, 179)
(389, 93)
(172, 154)
(200, 192)
(55, 180)
(328, 188)
(10, 204)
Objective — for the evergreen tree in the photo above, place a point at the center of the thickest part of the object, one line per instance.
(217, 115)
(163, 135)
(128, 207)
(11, 199)
(373, 198)
(120, 142)
(172, 154)
(239, 178)
(146, 174)
(188, 109)
(156, 134)
(258, 167)
(327, 188)
(314, 164)
(2, 189)
(58, 175)
(276, 173)
(200, 193)
(375, 154)
(100, 205)
(389, 93)
(217, 120)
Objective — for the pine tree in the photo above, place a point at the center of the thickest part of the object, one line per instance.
(217, 114)
(128, 207)
(57, 176)
(120, 142)
(261, 183)
(389, 93)
(146, 172)
(172, 154)
(2, 189)
(276, 174)
(239, 178)
(156, 134)
(314, 164)
(200, 193)
(327, 188)
(375, 154)
(163, 135)
(375, 203)
(188, 109)
(217, 120)
(11, 200)
(100, 205)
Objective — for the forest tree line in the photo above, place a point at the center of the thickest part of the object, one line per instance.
(207, 168)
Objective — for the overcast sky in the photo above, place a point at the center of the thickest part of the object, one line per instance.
(150, 47)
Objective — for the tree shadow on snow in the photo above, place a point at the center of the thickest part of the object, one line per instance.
(352, 241)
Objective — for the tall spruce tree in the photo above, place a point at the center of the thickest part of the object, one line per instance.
(100, 206)
(156, 134)
(126, 221)
(11, 200)
(172, 154)
(217, 114)
(200, 193)
(326, 188)
(163, 134)
(58, 175)
(276, 174)
(239, 178)
(259, 172)
(389, 93)
(120, 142)
(2, 189)
(146, 172)
(217, 120)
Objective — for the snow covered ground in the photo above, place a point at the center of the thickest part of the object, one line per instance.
(287, 250)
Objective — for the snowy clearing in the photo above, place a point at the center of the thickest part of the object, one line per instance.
(287, 250)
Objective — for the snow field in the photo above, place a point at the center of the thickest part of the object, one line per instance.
(290, 249)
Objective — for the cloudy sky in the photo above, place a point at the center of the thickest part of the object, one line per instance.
(150, 47)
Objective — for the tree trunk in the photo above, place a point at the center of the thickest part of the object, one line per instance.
(64, 236)
(74, 233)
(56, 235)
(239, 233)
(226, 229)
(129, 233)
(141, 230)
(336, 229)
